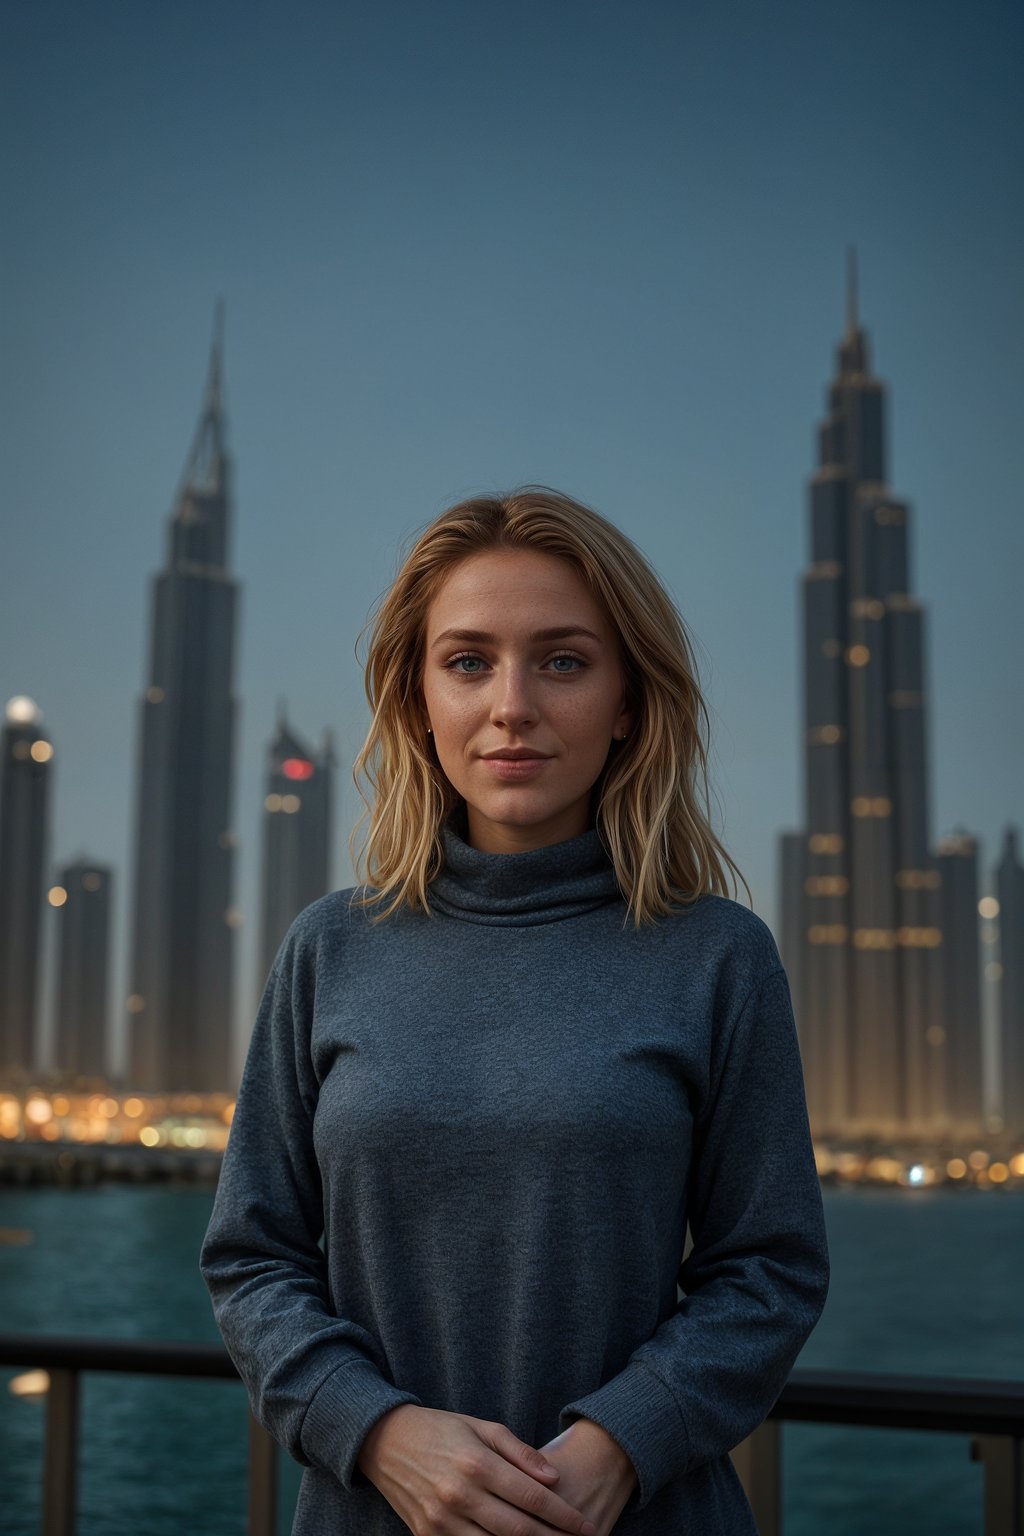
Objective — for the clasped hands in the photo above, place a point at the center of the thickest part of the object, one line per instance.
(448, 1474)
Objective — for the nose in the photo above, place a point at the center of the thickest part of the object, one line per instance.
(513, 703)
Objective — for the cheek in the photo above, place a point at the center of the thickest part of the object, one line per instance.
(450, 709)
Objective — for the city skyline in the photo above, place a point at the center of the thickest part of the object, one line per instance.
(635, 303)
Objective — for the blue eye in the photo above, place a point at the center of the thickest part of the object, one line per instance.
(458, 664)
(574, 663)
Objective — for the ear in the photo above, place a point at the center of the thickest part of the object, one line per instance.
(624, 724)
(420, 717)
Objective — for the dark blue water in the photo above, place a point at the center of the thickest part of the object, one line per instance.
(923, 1281)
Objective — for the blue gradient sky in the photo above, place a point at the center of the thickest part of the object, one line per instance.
(465, 244)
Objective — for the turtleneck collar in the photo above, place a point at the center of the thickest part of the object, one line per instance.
(519, 890)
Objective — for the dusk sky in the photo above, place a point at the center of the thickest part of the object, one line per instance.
(465, 244)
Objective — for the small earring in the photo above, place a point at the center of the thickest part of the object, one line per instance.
(429, 731)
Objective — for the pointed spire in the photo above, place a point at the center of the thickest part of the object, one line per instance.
(213, 383)
(205, 466)
(851, 290)
(853, 348)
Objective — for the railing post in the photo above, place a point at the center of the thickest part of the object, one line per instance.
(757, 1462)
(1001, 1456)
(60, 1454)
(262, 1480)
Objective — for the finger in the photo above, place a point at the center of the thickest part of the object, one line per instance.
(544, 1504)
(505, 1513)
(508, 1445)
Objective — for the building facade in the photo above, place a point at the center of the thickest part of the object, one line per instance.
(26, 773)
(83, 920)
(956, 859)
(869, 995)
(297, 831)
(1009, 884)
(180, 1001)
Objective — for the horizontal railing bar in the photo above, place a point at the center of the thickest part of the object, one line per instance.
(144, 1357)
(948, 1404)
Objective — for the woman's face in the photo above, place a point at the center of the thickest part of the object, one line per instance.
(524, 691)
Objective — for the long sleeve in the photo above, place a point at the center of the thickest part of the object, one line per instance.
(317, 1382)
(756, 1279)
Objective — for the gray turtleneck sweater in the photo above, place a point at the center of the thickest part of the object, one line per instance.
(500, 1119)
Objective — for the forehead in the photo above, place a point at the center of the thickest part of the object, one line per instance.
(524, 584)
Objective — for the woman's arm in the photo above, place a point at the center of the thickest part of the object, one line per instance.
(757, 1277)
(316, 1381)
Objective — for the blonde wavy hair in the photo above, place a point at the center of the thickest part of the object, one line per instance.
(649, 814)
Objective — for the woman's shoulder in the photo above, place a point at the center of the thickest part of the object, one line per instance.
(317, 929)
(730, 944)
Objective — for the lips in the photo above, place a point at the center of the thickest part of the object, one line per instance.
(514, 764)
(515, 755)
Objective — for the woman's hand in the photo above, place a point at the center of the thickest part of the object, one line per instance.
(597, 1475)
(447, 1474)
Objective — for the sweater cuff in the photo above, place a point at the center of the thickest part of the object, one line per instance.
(344, 1408)
(643, 1417)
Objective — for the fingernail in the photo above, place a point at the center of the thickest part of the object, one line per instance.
(590, 1529)
(546, 1466)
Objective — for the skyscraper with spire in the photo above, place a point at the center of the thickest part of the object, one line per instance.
(182, 949)
(862, 889)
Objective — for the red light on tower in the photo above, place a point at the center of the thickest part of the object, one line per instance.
(297, 768)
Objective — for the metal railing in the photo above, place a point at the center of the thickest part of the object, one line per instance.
(991, 1412)
(66, 1358)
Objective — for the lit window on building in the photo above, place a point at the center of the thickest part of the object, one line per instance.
(297, 768)
(825, 842)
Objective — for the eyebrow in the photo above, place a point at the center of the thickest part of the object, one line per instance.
(482, 637)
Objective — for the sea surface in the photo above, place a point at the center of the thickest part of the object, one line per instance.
(923, 1282)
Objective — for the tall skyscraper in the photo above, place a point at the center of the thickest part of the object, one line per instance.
(296, 834)
(1010, 895)
(25, 774)
(869, 1005)
(182, 955)
(957, 863)
(83, 962)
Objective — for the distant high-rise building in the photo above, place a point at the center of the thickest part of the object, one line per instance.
(83, 963)
(296, 834)
(25, 774)
(792, 849)
(869, 1005)
(182, 949)
(1010, 895)
(957, 863)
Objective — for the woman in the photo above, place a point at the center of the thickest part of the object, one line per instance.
(503, 1076)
